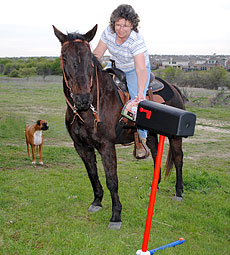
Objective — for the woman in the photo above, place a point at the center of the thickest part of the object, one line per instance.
(129, 51)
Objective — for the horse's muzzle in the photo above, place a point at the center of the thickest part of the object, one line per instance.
(83, 101)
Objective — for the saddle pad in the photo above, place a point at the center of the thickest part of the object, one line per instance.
(166, 93)
(156, 85)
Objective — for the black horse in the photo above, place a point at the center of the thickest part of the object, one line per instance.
(93, 112)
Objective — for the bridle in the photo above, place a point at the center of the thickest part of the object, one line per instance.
(73, 107)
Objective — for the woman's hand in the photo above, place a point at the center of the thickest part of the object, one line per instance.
(140, 96)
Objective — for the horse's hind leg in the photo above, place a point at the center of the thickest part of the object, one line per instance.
(177, 156)
(88, 156)
(109, 161)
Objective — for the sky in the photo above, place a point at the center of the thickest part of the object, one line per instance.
(175, 27)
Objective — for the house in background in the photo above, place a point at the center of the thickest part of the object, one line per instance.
(212, 62)
(176, 61)
(185, 62)
(190, 62)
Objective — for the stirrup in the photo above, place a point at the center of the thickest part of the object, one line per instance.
(140, 150)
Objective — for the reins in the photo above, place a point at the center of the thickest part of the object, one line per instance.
(73, 107)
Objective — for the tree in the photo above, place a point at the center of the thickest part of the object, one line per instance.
(173, 75)
(218, 77)
(27, 71)
(43, 68)
(55, 67)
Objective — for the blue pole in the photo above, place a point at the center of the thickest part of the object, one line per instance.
(173, 244)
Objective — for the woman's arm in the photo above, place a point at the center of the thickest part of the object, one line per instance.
(141, 71)
(100, 50)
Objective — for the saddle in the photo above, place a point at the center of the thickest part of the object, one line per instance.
(119, 80)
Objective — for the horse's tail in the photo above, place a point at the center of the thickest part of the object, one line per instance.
(169, 163)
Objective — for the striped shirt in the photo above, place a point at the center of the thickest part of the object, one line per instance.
(124, 54)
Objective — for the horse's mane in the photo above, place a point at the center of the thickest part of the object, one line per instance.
(73, 36)
(97, 63)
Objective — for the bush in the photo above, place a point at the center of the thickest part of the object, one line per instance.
(30, 66)
(14, 73)
(23, 72)
(216, 77)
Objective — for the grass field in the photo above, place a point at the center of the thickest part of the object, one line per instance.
(43, 209)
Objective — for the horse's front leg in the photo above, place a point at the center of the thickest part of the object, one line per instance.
(109, 160)
(88, 156)
(177, 154)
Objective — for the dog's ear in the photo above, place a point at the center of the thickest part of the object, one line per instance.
(39, 122)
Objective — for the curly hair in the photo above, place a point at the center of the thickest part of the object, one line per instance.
(125, 11)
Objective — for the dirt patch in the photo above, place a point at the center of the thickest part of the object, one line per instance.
(213, 129)
(215, 126)
(209, 133)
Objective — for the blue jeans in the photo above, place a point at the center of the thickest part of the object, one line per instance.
(131, 78)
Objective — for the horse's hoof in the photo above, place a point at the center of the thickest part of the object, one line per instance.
(177, 199)
(93, 209)
(114, 225)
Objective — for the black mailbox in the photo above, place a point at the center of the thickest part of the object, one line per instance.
(165, 120)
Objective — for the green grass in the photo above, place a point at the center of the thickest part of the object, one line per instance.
(43, 209)
(217, 113)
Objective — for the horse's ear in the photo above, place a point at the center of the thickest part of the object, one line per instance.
(90, 35)
(61, 37)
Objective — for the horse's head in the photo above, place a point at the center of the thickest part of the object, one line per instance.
(77, 66)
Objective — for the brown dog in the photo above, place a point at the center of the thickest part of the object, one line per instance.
(34, 138)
